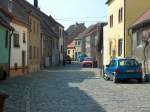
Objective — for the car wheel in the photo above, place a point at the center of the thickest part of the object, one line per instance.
(115, 80)
(105, 77)
(140, 80)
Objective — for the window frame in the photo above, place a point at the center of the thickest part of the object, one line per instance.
(16, 43)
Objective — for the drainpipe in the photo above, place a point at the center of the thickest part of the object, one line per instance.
(10, 36)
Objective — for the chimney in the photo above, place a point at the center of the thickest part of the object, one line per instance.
(10, 5)
(36, 3)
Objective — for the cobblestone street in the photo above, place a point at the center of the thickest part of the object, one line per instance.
(73, 89)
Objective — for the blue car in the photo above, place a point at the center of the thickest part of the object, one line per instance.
(123, 68)
(81, 57)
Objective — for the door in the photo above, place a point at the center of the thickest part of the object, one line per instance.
(23, 61)
(112, 67)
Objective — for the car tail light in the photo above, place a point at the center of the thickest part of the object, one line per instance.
(117, 71)
(140, 71)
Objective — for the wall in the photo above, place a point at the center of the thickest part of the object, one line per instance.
(46, 51)
(55, 52)
(72, 53)
(16, 52)
(138, 51)
(134, 9)
(78, 48)
(106, 57)
(88, 46)
(34, 41)
(4, 52)
(117, 31)
(61, 44)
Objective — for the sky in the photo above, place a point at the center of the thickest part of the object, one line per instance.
(68, 12)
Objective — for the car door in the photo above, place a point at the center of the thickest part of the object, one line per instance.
(112, 67)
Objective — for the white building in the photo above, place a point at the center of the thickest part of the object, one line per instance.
(19, 40)
(106, 46)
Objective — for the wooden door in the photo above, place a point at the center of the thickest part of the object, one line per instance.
(23, 61)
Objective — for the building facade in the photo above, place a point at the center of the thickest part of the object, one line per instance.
(121, 16)
(106, 56)
(34, 44)
(19, 41)
(5, 35)
(140, 35)
(71, 50)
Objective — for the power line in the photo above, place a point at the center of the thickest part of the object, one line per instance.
(83, 18)
(75, 21)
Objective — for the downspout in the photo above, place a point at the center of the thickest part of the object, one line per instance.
(10, 36)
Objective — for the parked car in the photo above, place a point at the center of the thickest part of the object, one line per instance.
(89, 62)
(81, 57)
(68, 59)
(123, 68)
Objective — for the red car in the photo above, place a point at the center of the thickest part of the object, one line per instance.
(89, 62)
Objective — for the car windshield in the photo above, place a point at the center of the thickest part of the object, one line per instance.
(88, 59)
(128, 62)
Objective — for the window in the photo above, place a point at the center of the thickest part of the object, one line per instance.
(120, 15)
(16, 66)
(33, 27)
(24, 37)
(34, 53)
(16, 40)
(139, 39)
(76, 43)
(61, 49)
(6, 40)
(30, 50)
(111, 21)
(38, 53)
(113, 63)
(68, 51)
(79, 42)
(110, 48)
(37, 27)
(120, 47)
(128, 62)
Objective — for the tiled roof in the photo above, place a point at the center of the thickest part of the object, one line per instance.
(21, 9)
(17, 10)
(5, 18)
(46, 26)
(108, 1)
(143, 19)
(71, 45)
(92, 29)
(75, 29)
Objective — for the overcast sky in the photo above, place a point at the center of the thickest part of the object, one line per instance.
(68, 12)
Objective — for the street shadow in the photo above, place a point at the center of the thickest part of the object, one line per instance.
(50, 92)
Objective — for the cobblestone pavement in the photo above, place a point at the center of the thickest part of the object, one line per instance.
(72, 89)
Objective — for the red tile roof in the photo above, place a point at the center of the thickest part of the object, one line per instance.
(144, 18)
(71, 45)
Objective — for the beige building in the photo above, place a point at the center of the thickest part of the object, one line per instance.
(121, 16)
(34, 44)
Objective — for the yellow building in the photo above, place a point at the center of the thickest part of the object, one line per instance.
(71, 50)
(122, 14)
